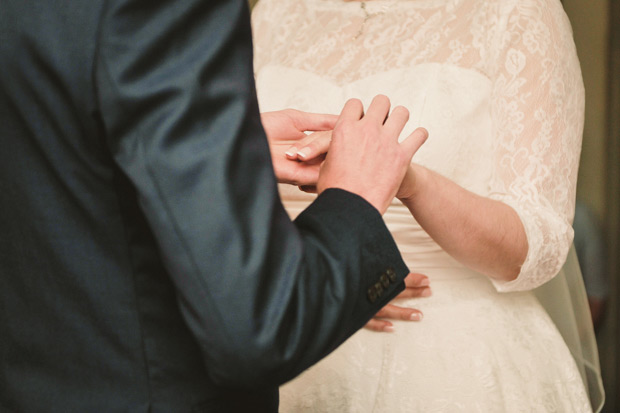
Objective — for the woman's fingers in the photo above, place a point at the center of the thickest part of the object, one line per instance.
(392, 312)
(314, 121)
(395, 312)
(415, 279)
(416, 285)
(310, 147)
(382, 326)
(415, 292)
(317, 143)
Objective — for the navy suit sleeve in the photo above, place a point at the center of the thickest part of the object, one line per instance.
(265, 297)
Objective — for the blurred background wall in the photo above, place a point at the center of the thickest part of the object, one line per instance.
(596, 28)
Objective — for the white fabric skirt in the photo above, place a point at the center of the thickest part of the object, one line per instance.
(476, 350)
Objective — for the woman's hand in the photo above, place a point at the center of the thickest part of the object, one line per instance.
(416, 285)
(313, 146)
(482, 233)
(287, 127)
(409, 185)
(310, 150)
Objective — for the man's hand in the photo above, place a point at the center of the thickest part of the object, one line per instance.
(285, 128)
(365, 157)
(416, 285)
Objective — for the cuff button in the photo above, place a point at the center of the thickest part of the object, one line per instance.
(391, 274)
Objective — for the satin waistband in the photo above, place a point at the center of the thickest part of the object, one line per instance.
(437, 272)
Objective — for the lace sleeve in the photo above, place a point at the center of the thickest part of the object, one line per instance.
(538, 110)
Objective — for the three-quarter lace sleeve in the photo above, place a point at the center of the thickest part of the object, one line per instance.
(538, 109)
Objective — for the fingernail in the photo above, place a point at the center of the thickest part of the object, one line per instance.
(426, 292)
(425, 282)
(303, 152)
(416, 317)
(290, 153)
(388, 329)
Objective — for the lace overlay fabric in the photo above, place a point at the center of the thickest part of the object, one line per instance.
(516, 57)
(498, 86)
(468, 357)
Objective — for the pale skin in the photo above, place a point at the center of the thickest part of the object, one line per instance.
(359, 144)
(361, 139)
(285, 128)
(484, 234)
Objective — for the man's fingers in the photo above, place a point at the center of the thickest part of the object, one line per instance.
(397, 120)
(413, 142)
(352, 111)
(378, 109)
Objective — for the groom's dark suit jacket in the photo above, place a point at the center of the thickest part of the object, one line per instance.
(146, 263)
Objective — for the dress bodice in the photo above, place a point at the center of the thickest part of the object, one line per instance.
(496, 83)
(449, 101)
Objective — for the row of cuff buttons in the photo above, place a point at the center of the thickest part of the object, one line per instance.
(376, 291)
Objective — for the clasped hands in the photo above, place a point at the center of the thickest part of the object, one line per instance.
(358, 152)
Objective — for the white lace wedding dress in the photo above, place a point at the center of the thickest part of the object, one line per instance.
(498, 86)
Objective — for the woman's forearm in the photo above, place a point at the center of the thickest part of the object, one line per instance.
(483, 234)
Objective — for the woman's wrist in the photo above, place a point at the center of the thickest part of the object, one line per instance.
(413, 183)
